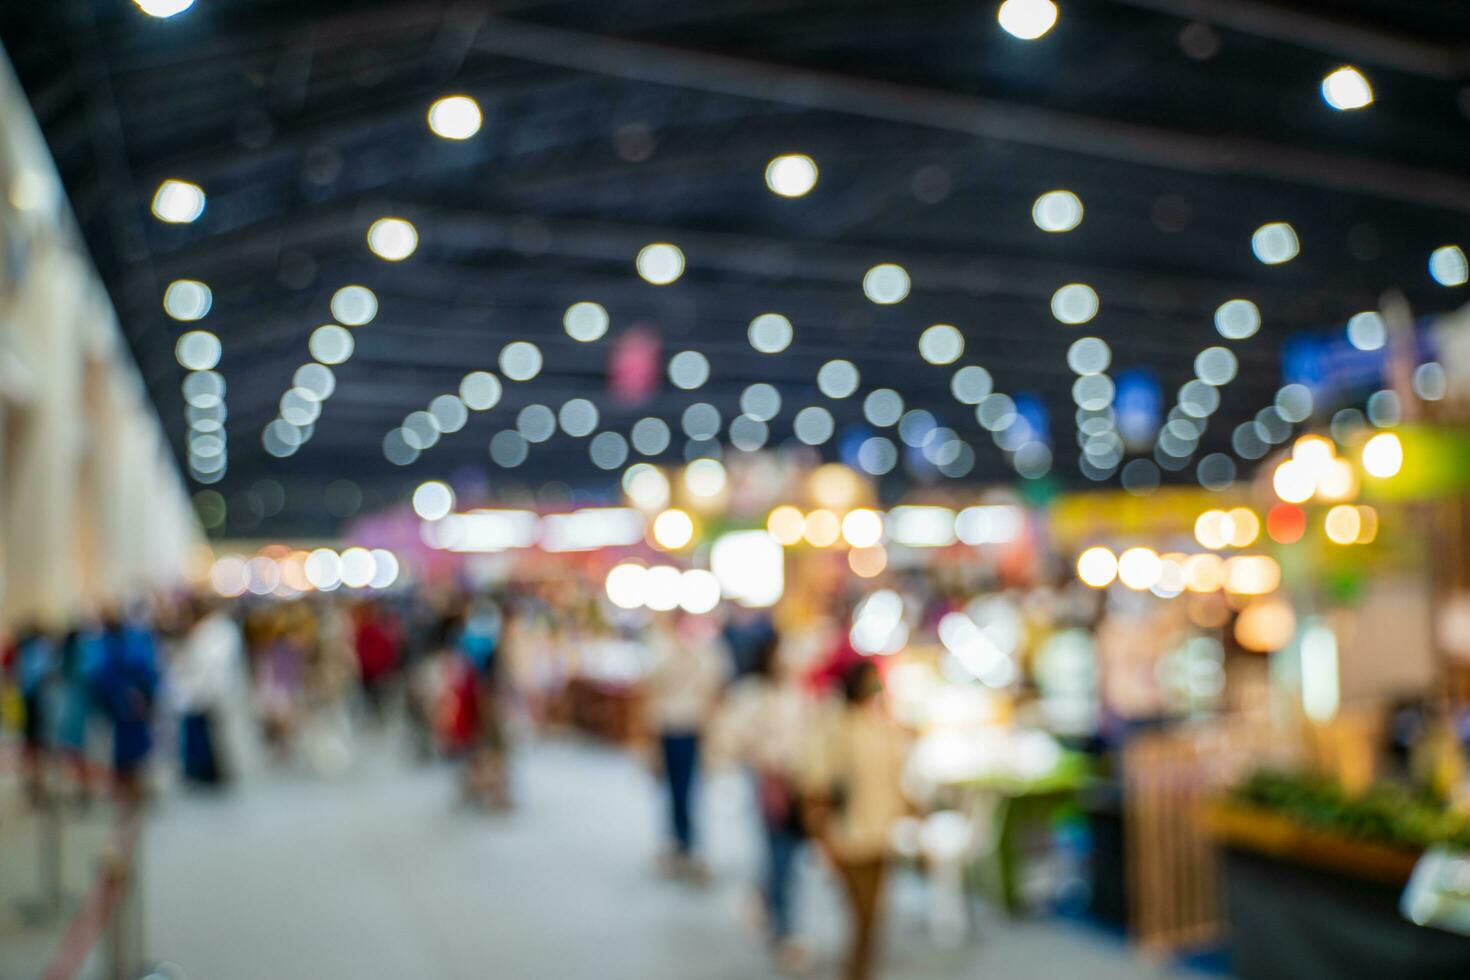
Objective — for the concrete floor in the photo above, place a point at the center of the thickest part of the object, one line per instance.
(379, 873)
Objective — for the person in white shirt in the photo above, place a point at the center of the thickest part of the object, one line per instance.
(687, 673)
(854, 775)
(207, 675)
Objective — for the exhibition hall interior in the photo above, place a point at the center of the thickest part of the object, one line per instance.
(905, 489)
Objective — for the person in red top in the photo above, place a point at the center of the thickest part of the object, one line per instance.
(378, 644)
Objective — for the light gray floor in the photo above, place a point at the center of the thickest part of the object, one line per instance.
(378, 873)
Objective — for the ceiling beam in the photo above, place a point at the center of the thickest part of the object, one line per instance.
(978, 116)
(1324, 32)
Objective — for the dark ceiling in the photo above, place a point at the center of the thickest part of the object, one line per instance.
(613, 124)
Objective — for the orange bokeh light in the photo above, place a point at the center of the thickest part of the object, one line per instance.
(1286, 523)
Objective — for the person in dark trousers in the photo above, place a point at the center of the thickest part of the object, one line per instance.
(126, 684)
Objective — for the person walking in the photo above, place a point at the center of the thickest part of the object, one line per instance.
(683, 684)
(767, 713)
(855, 795)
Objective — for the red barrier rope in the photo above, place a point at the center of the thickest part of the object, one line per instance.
(101, 903)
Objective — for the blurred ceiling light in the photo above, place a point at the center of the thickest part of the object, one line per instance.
(1057, 211)
(354, 305)
(1448, 266)
(1097, 567)
(688, 369)
(520, 360)
(770, 333)
(862, 528)
(1074, 303)
(480, 390)
(1275, 243)
(971, 384)
(1237, 319)
(660, 263)
(1367, 331)
(661, 588)
(578, 417)
(883, 407)
(392, 239)
(385, 568)
(187, 299)
(433, 500)
(197, 350)
(791, 175)
(358, 568)
(988, 524)
(673, 529)
(941, 344)
(316, 378)
(837, 379)
(1216, 366)
(608, 450)
(1090, 355)
(705, 478)
(487, 530)
(813, 425)
(178, 202)
(163, 8)
(455, 117)
(1347, 88)
(331, 343)
(1383, 455)
(650, 436)
(585, 321)
(1027, 19)
(886, 283)
(646, 486)
(324, 569)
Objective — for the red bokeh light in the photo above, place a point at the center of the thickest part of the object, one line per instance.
(1286, 523)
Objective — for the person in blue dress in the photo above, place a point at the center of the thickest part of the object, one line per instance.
(126, 683)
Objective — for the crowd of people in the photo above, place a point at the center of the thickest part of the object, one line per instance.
(213, 692)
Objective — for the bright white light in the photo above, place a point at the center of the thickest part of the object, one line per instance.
(1074, 303)
(392, 239)
(324, 569)
(1057, 211)
(660, 263)
(315, 378)
(433, 500)
(358, 568)
(878, 625)
(922, 526)
(591, 528)
(354, 305)
(163, 8)
(989, 524)
(480, 390)
(488, 531)
(646, 486)
(197, 350)
(699, 591)
(1027, 19)
(770, 333)
(520, 360)
(455, 117)
(331, 344)
(862, 528)
(1448, 266)
(688, 369)
(627, 585)
(203, 389)
(1383, 455)
(1275, 243)
(1237, 319)
(1367, 331)
(1090, 355)
(1139, 568)
(187, 299)
(1347, 89)
(791, 175)
(835, 379)
(886, 284)
(178, 202)
(1216, 366)
(385, 568)
(1294, 402)
(1320, 687)
(1097, 567)
(750, 566)
(585, 321)
(704, 478)
(941, 344)
(673, 529)
(661, 588)
(229, 575)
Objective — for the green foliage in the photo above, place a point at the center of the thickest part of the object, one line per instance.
(1387, 813)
